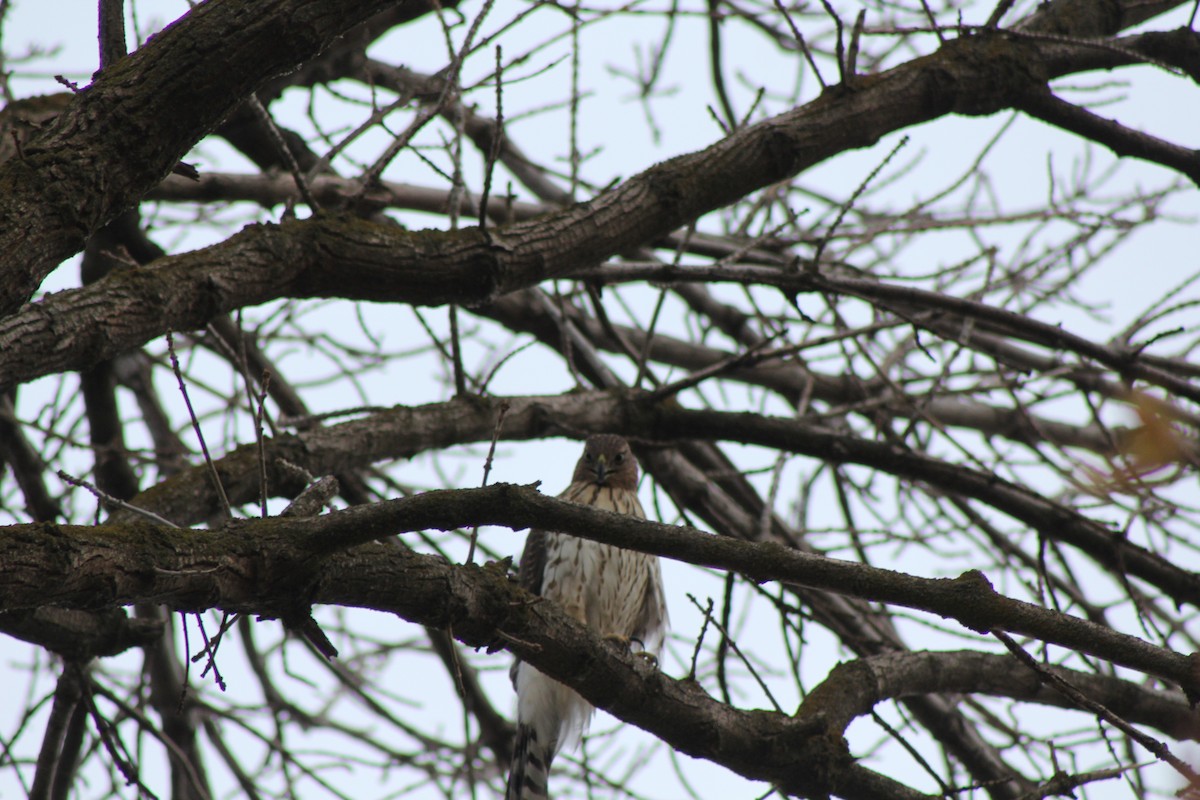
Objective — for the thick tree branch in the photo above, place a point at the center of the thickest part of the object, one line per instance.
(17, 454)
(358, 260)
(81, 635)
(187, 497)
(1122, 140)
(355, 259)
(272, 565)
(126, 131)
(269, 566)
(274, 189)
(266, 566)
(258, 574)
(854, 688)
(1179, 48)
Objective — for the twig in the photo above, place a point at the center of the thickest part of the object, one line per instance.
(714, 44)
(114, 502)
(146, 724)
(998, 13)
(113, 744)
(487, 470)
(808, 56)
(460, 379)
(933, 22)
(187, 401)
(852, 53)
(210, 647)
(691, 676)
(622, 344)
(259, 413)
(841, 40)
(285, 152)
(846, 206)
(449, 81)
(733, 646)
(575, 96)
(749, 357)
(1064, 687)
(493, 153)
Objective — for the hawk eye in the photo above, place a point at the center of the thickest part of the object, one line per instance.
(587, 456)
(620, 459)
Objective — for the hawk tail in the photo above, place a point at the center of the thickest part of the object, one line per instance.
(527, 779)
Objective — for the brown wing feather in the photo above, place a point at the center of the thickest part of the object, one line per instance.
(530, 571)
(533, 562)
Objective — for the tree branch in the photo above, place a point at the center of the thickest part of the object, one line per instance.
(1123, 141)
(854, 688)
(270, 566)
(358, 260)
(153, 105)
(187, 497)
(267, 566)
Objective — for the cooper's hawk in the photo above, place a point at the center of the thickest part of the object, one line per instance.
(616, 592)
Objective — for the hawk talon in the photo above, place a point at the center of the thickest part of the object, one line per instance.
(628, 641)
(650, 659)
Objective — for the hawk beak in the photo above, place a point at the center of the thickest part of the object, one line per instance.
(601, 469)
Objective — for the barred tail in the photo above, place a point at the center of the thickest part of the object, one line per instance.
(530, 767)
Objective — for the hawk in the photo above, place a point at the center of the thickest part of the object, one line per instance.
(618, 593)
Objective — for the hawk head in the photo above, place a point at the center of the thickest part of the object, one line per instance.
(607, 461)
